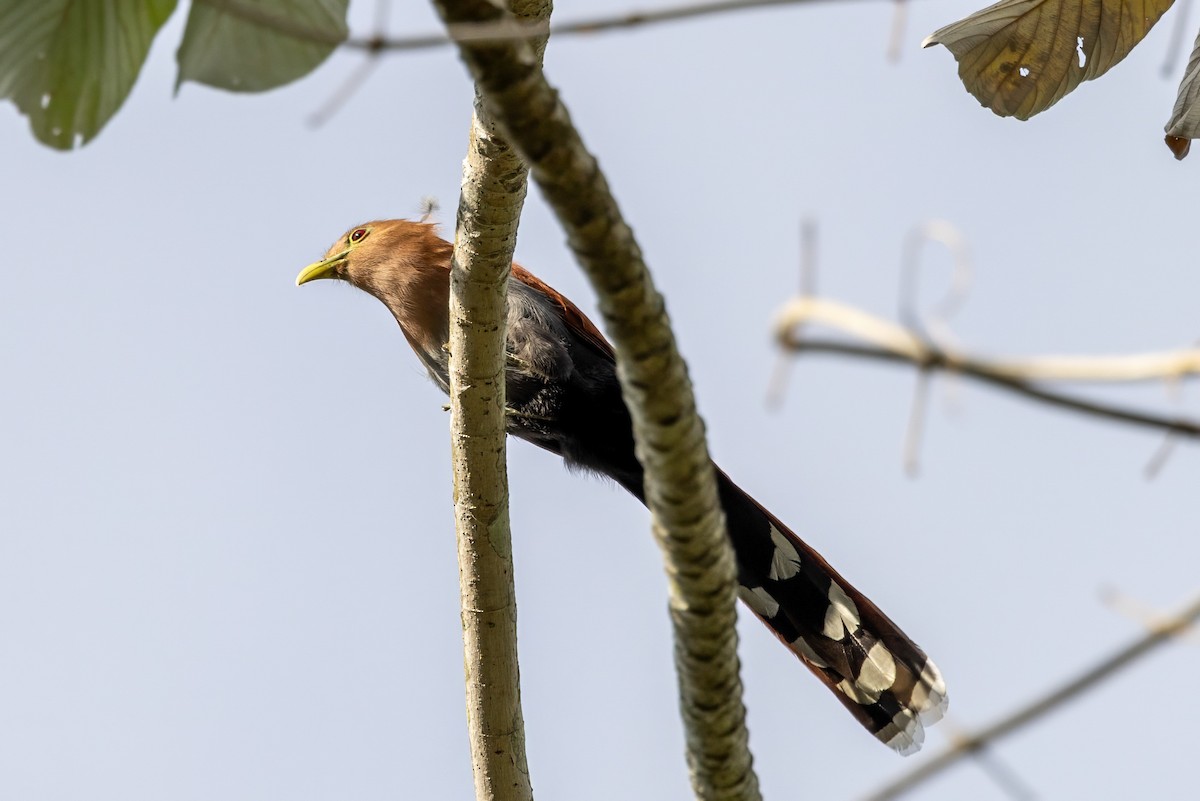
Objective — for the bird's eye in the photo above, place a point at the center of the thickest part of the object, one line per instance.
(359, 235)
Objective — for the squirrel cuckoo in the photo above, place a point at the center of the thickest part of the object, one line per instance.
(563, 395)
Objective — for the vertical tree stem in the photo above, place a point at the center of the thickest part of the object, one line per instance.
(489, 209)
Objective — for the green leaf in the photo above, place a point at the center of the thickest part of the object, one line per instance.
(255, 45)
(1020, 57)
(1184, 125)
(68, 65)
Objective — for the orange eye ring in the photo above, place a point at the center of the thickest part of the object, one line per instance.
(358, 235)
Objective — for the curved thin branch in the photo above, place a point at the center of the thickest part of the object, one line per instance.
(504, 29)
(935, 361)
(890, 342)
(680, 486)
(908, 342)
(1039, 707)
(489, 209)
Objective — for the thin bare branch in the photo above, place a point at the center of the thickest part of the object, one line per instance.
(808, 287)
(1180, 425)
(915, 432)
(495, 31)
(359, 77)
(934, 324)
(1167, 447)
(891, 342)
(899, 27)
(808, 256)
(680, 486)
(1162, 453)
(339, 98)
(1175, 44)
(1143, 613)
(971, 743)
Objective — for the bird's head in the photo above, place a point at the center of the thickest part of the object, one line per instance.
(406, 265)
(380, 256)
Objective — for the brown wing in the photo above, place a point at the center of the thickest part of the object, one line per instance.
(577, 320)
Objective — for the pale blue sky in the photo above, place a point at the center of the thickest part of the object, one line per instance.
(227, 560)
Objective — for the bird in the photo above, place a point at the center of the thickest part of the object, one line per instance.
(563, 395)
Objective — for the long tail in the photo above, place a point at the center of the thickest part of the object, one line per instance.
(874, 669)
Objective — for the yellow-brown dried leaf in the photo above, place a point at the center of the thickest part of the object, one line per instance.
(1020, 57)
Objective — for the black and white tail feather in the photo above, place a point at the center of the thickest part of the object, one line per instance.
(875, 670)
